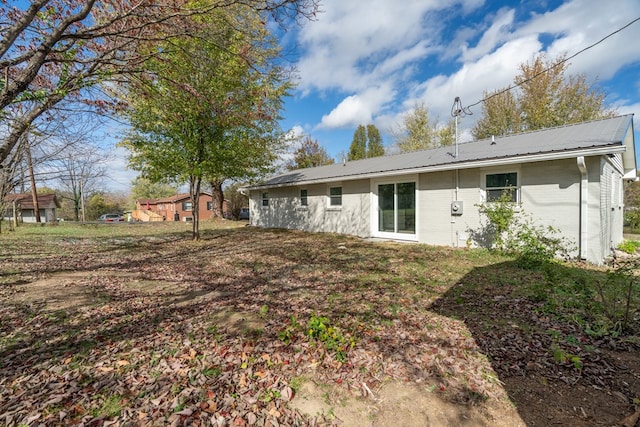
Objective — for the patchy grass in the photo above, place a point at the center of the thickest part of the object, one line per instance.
(158, 329)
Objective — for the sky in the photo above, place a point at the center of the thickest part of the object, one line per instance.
(372, 62)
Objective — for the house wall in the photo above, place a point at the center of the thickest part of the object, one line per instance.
(611, 204)
(437, 190)
(285, 211)
(29, 216)
(550, 195)
(167, 209)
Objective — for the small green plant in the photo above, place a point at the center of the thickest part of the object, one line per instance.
(320, 329)
(629, 246)
(619, 294)
(263, 311)
(561, 356)
(212, 371)
(287, 334)
(111, 407)
(270, 395)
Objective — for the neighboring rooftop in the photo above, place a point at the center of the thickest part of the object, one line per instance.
(26, 200)
(603, 136)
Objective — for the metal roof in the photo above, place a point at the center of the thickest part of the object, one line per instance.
(603, 136)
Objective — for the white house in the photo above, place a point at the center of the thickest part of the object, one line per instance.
(569, 177)
(25, 208)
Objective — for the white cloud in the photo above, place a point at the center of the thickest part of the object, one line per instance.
(344, 48)
(351, 111)
(358, 109)
(492, 37)
(491, 72)
(580, 23)
(351, 49)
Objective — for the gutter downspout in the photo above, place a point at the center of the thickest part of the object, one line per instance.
(584, 205)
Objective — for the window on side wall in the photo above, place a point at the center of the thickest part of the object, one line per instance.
(187, 206)
(497, 184)
(209, 206)
(265, 199)
(303, 198)
(335, 196)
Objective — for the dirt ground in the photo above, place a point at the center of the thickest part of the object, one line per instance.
(392, 403)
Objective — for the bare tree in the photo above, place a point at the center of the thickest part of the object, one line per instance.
(78, 172)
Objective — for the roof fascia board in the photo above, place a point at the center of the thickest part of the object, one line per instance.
(629, 157)
(453, 166)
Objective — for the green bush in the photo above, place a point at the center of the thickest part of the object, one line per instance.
(511, 231)
(632, 220)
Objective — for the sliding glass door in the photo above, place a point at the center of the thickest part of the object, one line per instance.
(397, 208)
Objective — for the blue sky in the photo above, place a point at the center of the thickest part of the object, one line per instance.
(362, 63)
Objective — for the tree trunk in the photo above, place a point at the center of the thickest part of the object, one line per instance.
(34, 191)
(195, 183)
(218, 198)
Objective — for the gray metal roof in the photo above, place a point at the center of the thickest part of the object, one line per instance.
(598, 136)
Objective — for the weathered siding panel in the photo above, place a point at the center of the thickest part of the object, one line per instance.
(550, 195)
(437, 191)
(285, 210)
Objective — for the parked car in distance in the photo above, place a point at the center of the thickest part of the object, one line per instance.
(111, 218)
(244, 213)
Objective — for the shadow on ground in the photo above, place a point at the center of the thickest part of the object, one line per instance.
(553, 372)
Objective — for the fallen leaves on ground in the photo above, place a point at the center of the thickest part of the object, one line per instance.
(214, 332)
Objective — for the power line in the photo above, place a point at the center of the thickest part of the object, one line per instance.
(554, 65)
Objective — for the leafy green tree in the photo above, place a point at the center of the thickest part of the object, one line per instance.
(100, 203)
(209, 107)
(419, 132)
(632, 194)
(358, 148)
(375, 148)
(308, 155)
(366, 143)
(143, 188)
(545, 97)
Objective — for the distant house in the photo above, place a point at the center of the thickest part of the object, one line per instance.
(25, 209)
(568, 177)
(174, 208)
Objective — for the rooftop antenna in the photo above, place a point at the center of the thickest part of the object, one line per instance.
(457, 110)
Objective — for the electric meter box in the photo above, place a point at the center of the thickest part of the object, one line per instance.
(457, 207)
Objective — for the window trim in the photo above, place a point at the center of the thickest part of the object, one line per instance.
(264, 197)
(500, 171)
(187, 206)
(330, 198)
(304, 198)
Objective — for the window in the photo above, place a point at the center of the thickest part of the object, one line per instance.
(187, 206)
(303, 198)
(265, 199)
(497, 184)
(335, 196)
(209, 206)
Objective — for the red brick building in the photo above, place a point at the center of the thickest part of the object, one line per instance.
(174, 208)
